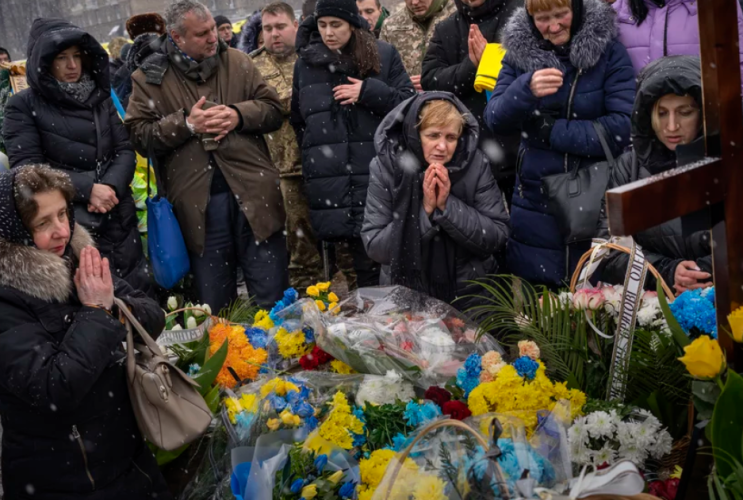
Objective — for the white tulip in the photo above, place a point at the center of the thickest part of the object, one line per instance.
(198, 310)
(191, 323)
(207, 308)
(172, 303)
(176, 327)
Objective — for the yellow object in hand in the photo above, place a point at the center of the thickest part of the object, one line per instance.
(489, 68)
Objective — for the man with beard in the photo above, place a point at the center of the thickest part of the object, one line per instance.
(275, 60)
(410, 29)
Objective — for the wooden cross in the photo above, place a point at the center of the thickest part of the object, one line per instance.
(716, 182)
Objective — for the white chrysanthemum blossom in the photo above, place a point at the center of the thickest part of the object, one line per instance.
(578, 432)
(380, 390)
(635, 454)
(601, 424)
(605, 455)
(663, 445)
(565, 298)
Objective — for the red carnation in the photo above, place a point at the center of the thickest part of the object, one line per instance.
(665, 489)
(456, 410)
(314, 359)
(438, 395)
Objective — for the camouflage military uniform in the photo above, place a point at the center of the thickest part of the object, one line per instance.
(305, 267)
(411, 37)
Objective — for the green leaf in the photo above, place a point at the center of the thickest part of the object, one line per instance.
(165, 457)
(706, 390)
(678, 333)
(727, 431)
(209, 371)
(212, 399)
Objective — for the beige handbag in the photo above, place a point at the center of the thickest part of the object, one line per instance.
(169, 409)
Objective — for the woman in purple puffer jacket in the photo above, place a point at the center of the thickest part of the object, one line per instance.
(651, 29)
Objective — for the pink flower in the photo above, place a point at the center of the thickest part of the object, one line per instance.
(529, 348)
(650, 295)
(587, 298)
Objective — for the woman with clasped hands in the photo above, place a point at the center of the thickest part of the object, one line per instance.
(434, 214)
(564, 70)
(69, 430)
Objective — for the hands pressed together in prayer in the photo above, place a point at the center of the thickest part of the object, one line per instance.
(93, 280)
(436, 188)
(219, 120)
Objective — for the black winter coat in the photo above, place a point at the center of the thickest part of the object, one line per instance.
(337, 141)
(122, 80)
(667, 245)
(447, 66)
(475, 217)
(45, 124)
(69, 431)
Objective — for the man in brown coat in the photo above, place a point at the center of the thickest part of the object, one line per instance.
(202, 108)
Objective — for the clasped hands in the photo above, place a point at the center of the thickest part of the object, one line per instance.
(218, 120)
(436, 188)
(93, 280)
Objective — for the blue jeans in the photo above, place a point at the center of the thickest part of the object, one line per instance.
(230, 242)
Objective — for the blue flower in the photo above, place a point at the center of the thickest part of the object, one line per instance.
(347, 490)
(359, 440)
(467, 382)
(303, 409)
(416, 414)
(526, 367)
(309, 335)
(399, 442)
(320, 462)
(696, 309)
(277, 402)
(359, 413)
(311, 423)
(473, 365)
(296, 486)
(257, 337)
(477, 464)
(290, 296)
(193, 369)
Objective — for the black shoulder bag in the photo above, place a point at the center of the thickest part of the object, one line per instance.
(574, 198)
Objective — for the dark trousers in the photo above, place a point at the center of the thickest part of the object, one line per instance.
(230, 242)
(367, 271)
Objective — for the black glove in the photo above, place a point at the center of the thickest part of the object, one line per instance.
(538, 130)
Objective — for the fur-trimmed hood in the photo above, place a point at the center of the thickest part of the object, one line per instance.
(40, 274)
(527, 53)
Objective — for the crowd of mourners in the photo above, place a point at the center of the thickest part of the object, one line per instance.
(351, 139)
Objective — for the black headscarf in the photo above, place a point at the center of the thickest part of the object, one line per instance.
(577, 23)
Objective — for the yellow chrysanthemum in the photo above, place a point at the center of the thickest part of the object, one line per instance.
(339, 366)
(341, 424)
(262, 320)
(291, 345)
(429, 487)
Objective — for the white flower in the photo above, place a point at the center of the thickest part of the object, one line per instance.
(176, 327)
(578, 432)
(646, 316)
(606, 455)
(634, 454)
(197, 310)
(172, 303)
(600, 424)
(565, 298)
(663, 444)
(191, 323)
(580, 454)
(207, 308)
(380, 390)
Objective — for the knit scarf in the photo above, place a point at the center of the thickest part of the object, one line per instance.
(81, 89)
(193, 69)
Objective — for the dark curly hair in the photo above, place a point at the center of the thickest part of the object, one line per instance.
(31, 180)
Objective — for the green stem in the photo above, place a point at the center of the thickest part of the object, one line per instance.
(718, 379)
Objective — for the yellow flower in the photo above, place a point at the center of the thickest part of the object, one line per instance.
(333, 308)
(320, 305)
(341, 424)
(677, 472)
(291, 345)
(336, 476)
(249, 402)
(339, 366)
(313, 291)
(289, 418)
(332, 297)
(429, 487)
(309, 492)
(262, 320)
(273, 423)
(703, 358)
(735, 319)
(324, 287)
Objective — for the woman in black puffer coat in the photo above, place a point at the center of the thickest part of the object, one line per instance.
(343, 88)
(66, 119)
(666, 133)
(69, 431)
(434, 240)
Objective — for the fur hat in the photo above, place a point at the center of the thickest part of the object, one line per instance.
(145, 23)
(343, 9)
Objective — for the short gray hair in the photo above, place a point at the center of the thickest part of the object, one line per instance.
(176, 12)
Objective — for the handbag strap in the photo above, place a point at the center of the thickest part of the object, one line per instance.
(601, 132)
(132, 323)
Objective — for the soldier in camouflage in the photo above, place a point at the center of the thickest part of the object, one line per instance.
(275, 60)
(410, 29)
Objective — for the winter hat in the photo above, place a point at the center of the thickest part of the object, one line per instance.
(220, 20)
(343, 9)
(145, 23)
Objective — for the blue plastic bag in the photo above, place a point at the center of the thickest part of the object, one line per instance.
(165, 243)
